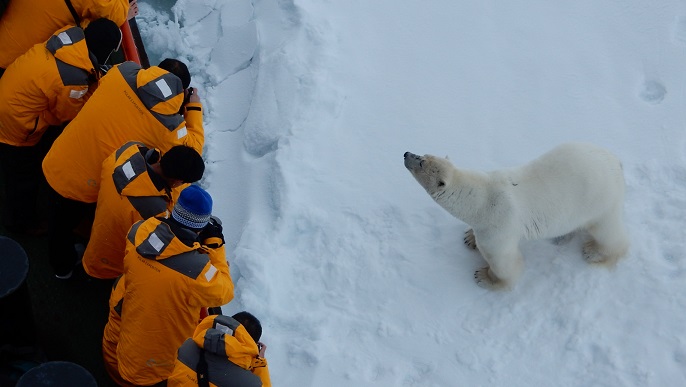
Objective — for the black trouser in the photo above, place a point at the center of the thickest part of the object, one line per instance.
(23, 178)
(64, 215)
(21, 167)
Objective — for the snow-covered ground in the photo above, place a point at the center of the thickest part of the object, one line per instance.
(359, 278)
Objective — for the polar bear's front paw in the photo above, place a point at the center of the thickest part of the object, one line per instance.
(486, 280)
(470, 239)
(591, 253)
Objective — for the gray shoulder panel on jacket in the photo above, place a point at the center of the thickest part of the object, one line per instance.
(126, 146)
(220, 370)
(132, 232)
(71, 75)
(155, 242)
(148, 206)
(126, 172)
(129, 70)
(189, 263)
(64, 38)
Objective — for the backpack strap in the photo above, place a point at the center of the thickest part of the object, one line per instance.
(201, 369)
(75, 15)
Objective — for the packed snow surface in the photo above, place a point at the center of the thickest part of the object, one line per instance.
(358, 276)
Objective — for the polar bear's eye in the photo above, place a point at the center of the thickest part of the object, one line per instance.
(441, 183)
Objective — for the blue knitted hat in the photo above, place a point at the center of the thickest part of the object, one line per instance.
(194, 207)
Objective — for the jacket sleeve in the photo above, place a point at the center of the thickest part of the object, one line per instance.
(213, 287)
(196, 132)
(115, 10)
(262, 371)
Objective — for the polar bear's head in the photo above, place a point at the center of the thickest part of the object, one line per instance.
(433, 173)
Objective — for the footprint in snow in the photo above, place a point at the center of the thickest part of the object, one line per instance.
(653, 92)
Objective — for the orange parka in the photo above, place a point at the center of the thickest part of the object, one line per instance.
(130, 104)
(130, 191)
(168, 279)
(110, 336)
(25, 23)
(46, 86)
(229, 351)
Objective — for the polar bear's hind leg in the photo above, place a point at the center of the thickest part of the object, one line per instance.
(609, 240)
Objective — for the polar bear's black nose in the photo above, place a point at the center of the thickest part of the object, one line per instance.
(406, 154)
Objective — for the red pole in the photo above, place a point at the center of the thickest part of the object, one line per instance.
(128, 44)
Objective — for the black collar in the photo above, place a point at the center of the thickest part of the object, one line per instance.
(185, 234)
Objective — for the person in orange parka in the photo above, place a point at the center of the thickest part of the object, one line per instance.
(130, 104)
(137, 184)
(173, 267)
(47, 86)
(25, 23)
(154, 106)
(225, 352)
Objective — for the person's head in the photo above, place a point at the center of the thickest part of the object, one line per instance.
(193, 209)
(177, 68)
(103, 37)
(250, 323)
(182, 164)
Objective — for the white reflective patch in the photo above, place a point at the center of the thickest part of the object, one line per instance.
(181, 133)
(223, 329)
(164, 88)
(156, 242)
(128, 170)
(210, 273)
(76, 94)
(64, 37)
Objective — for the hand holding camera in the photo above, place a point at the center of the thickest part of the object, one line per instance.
(212, 235)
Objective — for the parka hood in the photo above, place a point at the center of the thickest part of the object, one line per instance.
(132, 165)
(154, 239)
(160, 90)
(77, 55)
(226, 337)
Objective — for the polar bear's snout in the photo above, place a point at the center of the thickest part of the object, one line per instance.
(412, 161)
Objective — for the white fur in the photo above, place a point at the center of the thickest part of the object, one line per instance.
(573, 187)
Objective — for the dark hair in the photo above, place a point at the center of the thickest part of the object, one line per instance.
(102, 37)
(182, 162)
(250, 323)
(177, 68)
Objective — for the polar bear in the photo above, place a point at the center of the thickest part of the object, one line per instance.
(573, 187)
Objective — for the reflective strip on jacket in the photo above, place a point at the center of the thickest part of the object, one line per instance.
(25, 23)
(167, 283)
(130, 191)
(231, 355)
(130, 104)
(46, 86)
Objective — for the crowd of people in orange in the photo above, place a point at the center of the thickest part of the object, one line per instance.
(120, 147)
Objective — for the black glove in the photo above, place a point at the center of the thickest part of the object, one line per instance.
(212, 236)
